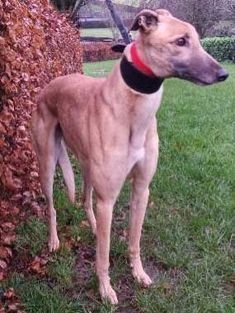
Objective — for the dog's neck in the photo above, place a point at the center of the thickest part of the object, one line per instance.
(134, 102)
(138, 62)
(137, 75)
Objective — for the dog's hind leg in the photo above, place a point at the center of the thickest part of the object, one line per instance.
(47, 179)
(47, 147)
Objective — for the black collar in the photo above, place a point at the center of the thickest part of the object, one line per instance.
(137, 80)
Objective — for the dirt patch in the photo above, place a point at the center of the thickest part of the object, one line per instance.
(85, 270)
(85, 264)
(171, 277)
(126, 295)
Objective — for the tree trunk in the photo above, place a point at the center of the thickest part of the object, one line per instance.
(118, 22)
(77, 6)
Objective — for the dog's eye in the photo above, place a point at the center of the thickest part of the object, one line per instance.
(181, 42)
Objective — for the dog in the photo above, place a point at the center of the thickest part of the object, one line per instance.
(110, 125)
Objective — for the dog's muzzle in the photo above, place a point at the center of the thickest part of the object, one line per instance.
(222, 75)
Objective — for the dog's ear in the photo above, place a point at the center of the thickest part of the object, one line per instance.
(118, 48)
(145, 20)
(163, 12)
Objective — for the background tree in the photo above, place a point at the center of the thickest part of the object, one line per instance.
(68, 5)
(75, 7)
(118, 22)
(203, 15)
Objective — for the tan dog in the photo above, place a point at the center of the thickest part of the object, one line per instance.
(110, 126)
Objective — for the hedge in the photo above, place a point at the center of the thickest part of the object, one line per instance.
(221, 48)
(36, 45)
(98, 51)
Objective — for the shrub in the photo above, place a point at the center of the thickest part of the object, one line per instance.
(221, 48)
(98, 51)
(37, 44)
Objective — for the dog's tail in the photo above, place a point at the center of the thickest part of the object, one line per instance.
(47, 139)
(66, 167)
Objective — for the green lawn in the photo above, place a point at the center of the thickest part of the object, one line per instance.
(188, 240)
(100, 32)
(96, 32)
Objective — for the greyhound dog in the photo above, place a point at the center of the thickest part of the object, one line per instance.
(110, 125)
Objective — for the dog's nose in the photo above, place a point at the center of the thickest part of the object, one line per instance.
(222, 75)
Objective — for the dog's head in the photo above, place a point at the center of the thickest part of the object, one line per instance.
(172, 48)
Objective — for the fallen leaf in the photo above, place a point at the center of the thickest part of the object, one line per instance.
(38, 265)
(9, 294)
(1, 275)
(232, 279)
(13, 307)
(3, 264)
(84, 224)
(5, 252)
(34, 174)
(15, 211)
(124, 235)
(7, 226)
(2, 310)
(8, 239)
(72, 242)
(151, 205)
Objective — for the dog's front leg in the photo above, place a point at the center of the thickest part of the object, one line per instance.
(139, 200)
(142, 175)
(104, 218)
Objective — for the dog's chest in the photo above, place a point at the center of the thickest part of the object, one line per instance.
(136, 148)
(135, 155)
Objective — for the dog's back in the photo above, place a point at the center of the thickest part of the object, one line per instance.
(66, 90)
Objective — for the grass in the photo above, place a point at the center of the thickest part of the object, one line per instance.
(31, 235)
(96, 32)
(188, 240)
(101, 32)
(61, 268)
(39, 297)
(99, 69)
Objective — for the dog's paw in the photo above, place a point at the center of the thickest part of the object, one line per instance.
(107, 293)
(53, 243)
(139, 273)
(142, 277)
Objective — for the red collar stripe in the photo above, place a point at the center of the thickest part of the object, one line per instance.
(138, 63)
